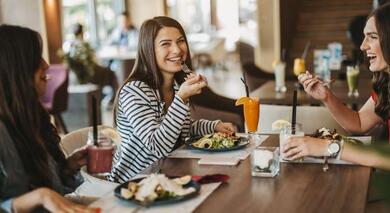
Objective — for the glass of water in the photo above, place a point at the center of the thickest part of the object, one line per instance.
(287, 132)
(265, 161)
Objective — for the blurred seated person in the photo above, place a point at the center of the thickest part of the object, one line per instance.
(125, 35)
(34, 172)
(81, 60)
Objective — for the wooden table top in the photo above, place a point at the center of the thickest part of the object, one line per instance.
(297, 188)
(267, 93)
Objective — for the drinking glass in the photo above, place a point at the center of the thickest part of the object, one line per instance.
(99, 160)
(352, 80)
(265, 161)
(286, 132)
(299, 66)
(251, 114)
(280, 73)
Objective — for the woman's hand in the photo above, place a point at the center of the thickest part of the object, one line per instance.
(78, 158)
(48, 199)
(297, 147)
(313, 86)
(192, 86)
(227, 128)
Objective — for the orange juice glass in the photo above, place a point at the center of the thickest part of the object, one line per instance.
(299, 66)
(251, 114)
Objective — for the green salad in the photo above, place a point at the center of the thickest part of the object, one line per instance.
(216, 141)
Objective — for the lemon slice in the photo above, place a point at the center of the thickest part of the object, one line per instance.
(113, 134)
(183, 180)
(279, 125)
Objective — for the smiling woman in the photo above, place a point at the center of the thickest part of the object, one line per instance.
(376, 46)
(152, 111)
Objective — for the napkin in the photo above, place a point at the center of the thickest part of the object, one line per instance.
(219, 160)
(214, 178)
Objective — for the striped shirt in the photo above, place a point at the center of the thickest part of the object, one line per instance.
(148, 131)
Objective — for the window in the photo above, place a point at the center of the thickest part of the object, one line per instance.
(97, 16)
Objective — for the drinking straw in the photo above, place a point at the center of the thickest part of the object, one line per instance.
(94, 121)
(245, 84)
(306, 49)
(283, 54)
(294, 113)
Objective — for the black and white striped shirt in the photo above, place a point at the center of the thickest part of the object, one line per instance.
(148, 132)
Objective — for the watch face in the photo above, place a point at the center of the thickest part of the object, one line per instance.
(334, 148)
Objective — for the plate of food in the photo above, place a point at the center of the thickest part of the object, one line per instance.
(157, 189)
(325, 133)
(217, 142)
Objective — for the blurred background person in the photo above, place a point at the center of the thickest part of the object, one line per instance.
(80, 58)
(125, 35)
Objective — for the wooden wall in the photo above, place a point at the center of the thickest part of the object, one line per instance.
(321, 22)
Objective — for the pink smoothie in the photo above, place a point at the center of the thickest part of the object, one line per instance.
(100, 159)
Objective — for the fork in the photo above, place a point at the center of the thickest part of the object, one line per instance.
(328, 83)
(185, 68)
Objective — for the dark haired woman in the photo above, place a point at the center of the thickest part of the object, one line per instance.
(152, 113)
(34, 171)
(376, 45)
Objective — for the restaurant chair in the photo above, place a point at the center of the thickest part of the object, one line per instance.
(255, 76)
(212, 106)
(55, 99)
(93, 187)
(76, 139)
(311, 118)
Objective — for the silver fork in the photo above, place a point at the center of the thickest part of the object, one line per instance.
(185, 68)
(328, 83)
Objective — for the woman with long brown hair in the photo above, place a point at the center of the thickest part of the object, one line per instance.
(152, 112)
(34, 171)
(376, 45)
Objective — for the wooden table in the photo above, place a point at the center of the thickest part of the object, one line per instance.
(267, 93)
(298, 187)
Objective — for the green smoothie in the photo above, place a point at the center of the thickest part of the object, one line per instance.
(352, 79)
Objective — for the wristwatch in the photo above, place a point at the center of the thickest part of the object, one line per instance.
(334, 148)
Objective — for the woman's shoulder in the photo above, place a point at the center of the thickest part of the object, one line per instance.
(136, 85)
(137, 88)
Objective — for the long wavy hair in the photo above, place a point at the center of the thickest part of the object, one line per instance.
(25, 119)
(381, 84)
(145, 68)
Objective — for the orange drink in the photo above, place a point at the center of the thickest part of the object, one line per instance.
(251, 112)
(299, 66)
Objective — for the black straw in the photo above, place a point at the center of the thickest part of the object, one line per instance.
(283, 54)
(94, 121)
(294, 113)
(245, 84)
